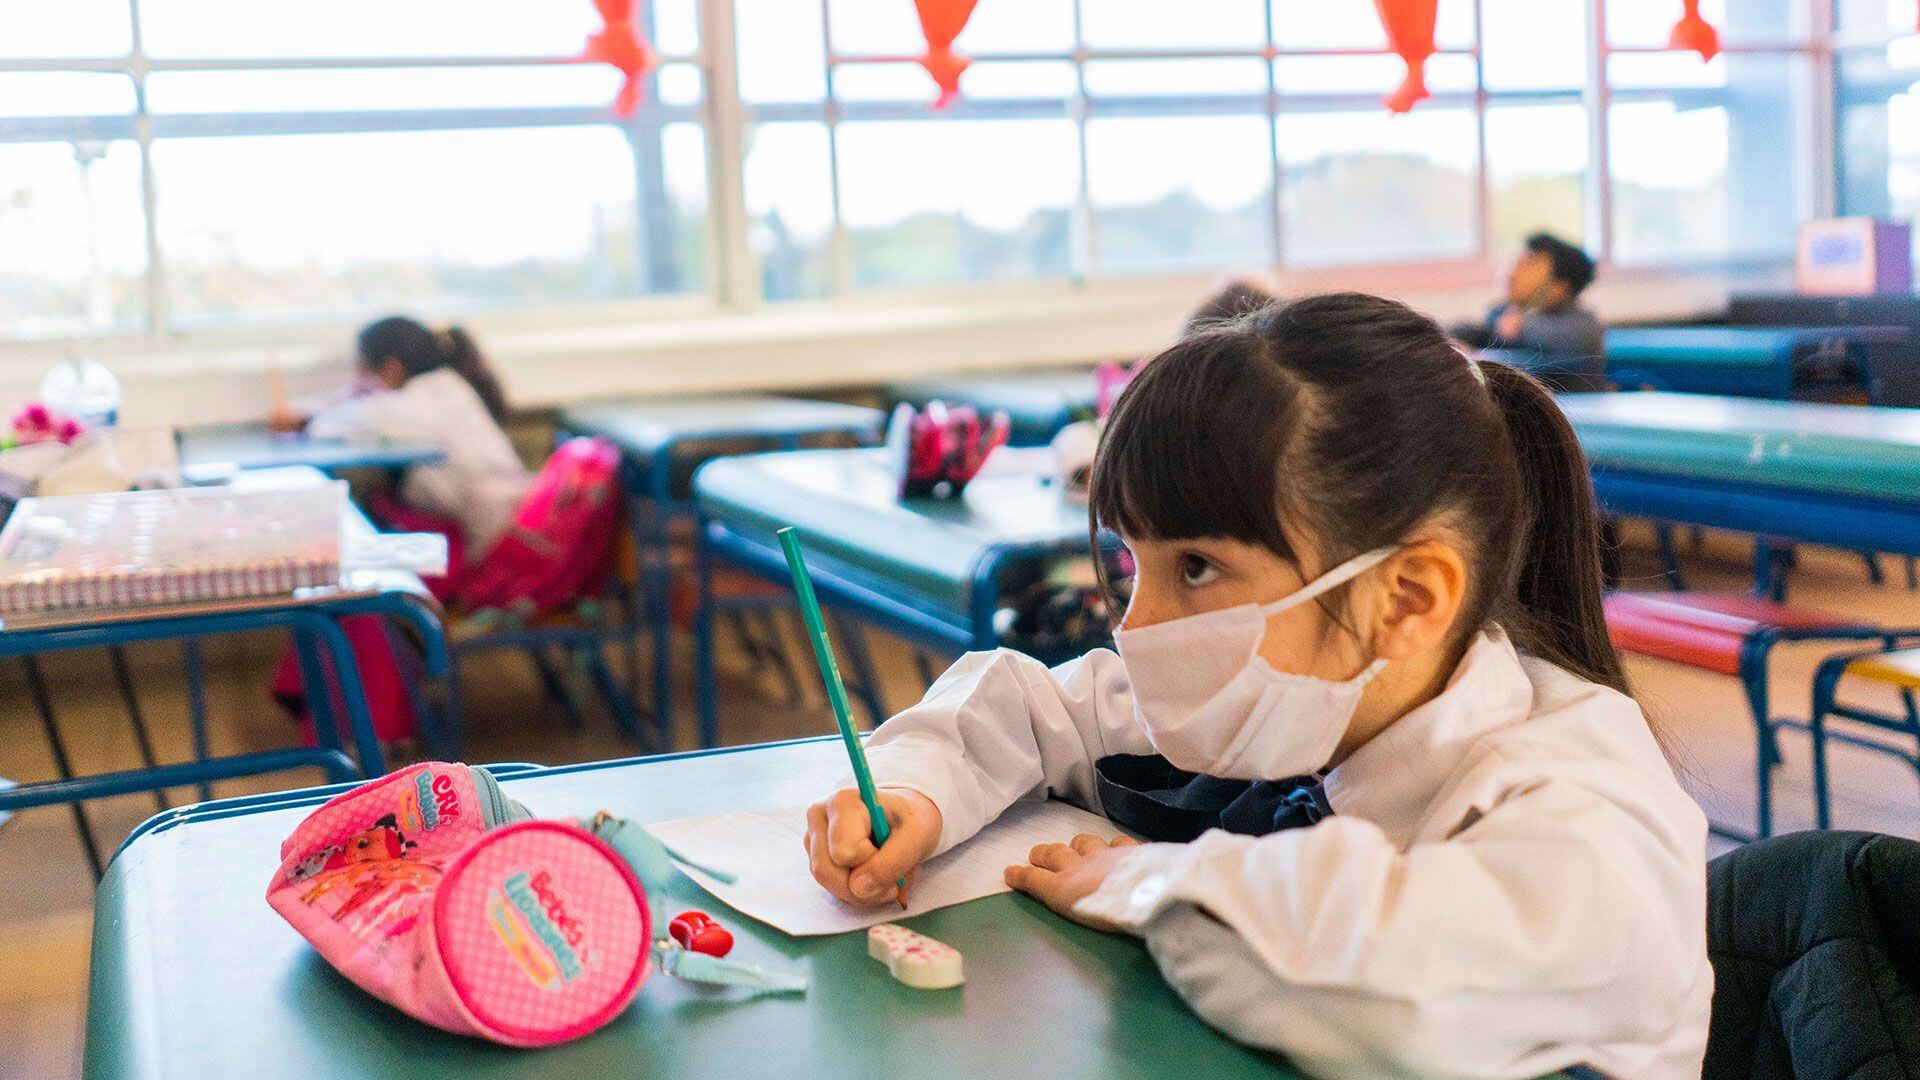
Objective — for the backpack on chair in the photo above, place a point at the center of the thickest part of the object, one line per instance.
(1816, 959)
(558, 544)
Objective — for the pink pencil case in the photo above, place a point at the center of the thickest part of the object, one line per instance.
(437, 894)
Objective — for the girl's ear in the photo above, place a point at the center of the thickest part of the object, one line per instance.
(392, 373)
(1423, 587)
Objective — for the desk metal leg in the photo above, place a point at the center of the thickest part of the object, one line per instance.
(782, 660)
(117, 657)
(353, 696)
(855, 639)
(43, 703)
(703, 646)
(555, 686)
(657, 557)
(197, 706)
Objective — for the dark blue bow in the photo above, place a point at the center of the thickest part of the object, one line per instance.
(1146, 794)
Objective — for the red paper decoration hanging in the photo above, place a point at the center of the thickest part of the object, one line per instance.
(1409, 25)
(1693, 33)
(621, 45)
(941, 21)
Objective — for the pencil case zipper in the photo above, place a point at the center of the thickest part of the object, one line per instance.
(495, 808)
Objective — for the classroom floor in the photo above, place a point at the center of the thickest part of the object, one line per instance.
(46, 893)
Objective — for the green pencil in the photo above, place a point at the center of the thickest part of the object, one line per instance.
(836, 688)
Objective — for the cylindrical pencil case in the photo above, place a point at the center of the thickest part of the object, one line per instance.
(437, 894)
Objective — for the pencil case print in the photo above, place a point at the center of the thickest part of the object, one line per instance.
(435, 893)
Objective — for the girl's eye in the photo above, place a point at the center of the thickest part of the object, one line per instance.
(1196, 571)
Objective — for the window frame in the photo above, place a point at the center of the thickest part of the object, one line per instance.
(732, 277)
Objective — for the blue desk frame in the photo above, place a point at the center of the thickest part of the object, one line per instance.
(652, 508)
(945, 631)
(318, 639)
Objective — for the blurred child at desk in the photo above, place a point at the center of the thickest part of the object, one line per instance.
(434, 388)
(1542, 311)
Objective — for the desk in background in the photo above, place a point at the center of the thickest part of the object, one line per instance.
(1039, 404)
(1842, 475)
(662, 441)
(313, 618)
(216, 449)
(1781, 363)
(194, 976)
(934, 571)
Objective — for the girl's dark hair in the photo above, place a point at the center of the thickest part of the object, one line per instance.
(419, 350)
(1228, 302)
(1356, 421)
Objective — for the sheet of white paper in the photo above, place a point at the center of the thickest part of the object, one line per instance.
(766, 852)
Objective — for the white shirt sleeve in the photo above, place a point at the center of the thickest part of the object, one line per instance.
(1544, 934)
(999, 727)
(375, 416)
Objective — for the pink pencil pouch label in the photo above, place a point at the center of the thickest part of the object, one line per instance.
(438, 895)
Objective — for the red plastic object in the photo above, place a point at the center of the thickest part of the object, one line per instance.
(696, 930)
(1703, 630)
(1409, 25)
(621, 45)
(941, 21)
(1694, 33)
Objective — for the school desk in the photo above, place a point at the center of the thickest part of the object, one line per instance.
(663, 440)
(934, 571)
(209, 450)
(1779, 362)
(314, 621)
(193, 975)
(1039, 403)
(1843, 475)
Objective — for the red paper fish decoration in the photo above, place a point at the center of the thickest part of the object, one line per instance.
(941, 21)
(1694, 33)
(621, 45)
(1409, 25)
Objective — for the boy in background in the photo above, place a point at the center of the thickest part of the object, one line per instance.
(1542, 311)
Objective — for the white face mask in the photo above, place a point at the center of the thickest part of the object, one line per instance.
(1212, 704)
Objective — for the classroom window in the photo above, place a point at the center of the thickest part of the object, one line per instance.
(1878, 123)
(1092, 138)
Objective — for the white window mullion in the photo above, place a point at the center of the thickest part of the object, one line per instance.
(733, 275)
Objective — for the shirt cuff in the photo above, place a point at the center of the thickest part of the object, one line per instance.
(1137, 889)
(904, 763)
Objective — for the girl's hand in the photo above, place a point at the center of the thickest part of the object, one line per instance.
(840, 843)
(1062, 875)
(284, 421)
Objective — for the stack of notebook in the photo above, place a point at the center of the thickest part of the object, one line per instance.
(73, 556)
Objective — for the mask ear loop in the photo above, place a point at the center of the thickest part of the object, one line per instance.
(1331, 580)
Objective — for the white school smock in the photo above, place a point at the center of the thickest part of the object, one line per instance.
(480, 482)
(1513, 882)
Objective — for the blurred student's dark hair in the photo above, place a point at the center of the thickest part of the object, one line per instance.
(1571, 265)
(1228, 302)
(1353, 420)
(420, 349)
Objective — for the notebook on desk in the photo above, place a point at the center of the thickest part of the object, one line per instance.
(80, 555)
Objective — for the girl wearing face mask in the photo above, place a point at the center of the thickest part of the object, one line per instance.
(1402, 815)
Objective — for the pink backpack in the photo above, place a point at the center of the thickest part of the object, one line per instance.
(437, 894)
(560, 538)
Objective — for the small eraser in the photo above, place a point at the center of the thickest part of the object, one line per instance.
(916, 959)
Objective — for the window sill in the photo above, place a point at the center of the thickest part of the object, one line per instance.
(558, 355)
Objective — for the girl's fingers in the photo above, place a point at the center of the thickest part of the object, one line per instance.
(1087, 843)
(1054, 857)
(831, 877)
(1124, 841)
(849, 830)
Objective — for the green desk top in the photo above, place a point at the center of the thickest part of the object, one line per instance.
(641, 427)
(847, 507)
(213, 449)
(1844, 449)
(1704, 346)
(1038, 403)
(195, 977)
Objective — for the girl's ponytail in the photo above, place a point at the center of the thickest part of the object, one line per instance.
(1557, 602)
(463, 356)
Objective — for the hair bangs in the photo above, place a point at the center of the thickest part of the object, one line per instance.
(1191, 436)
